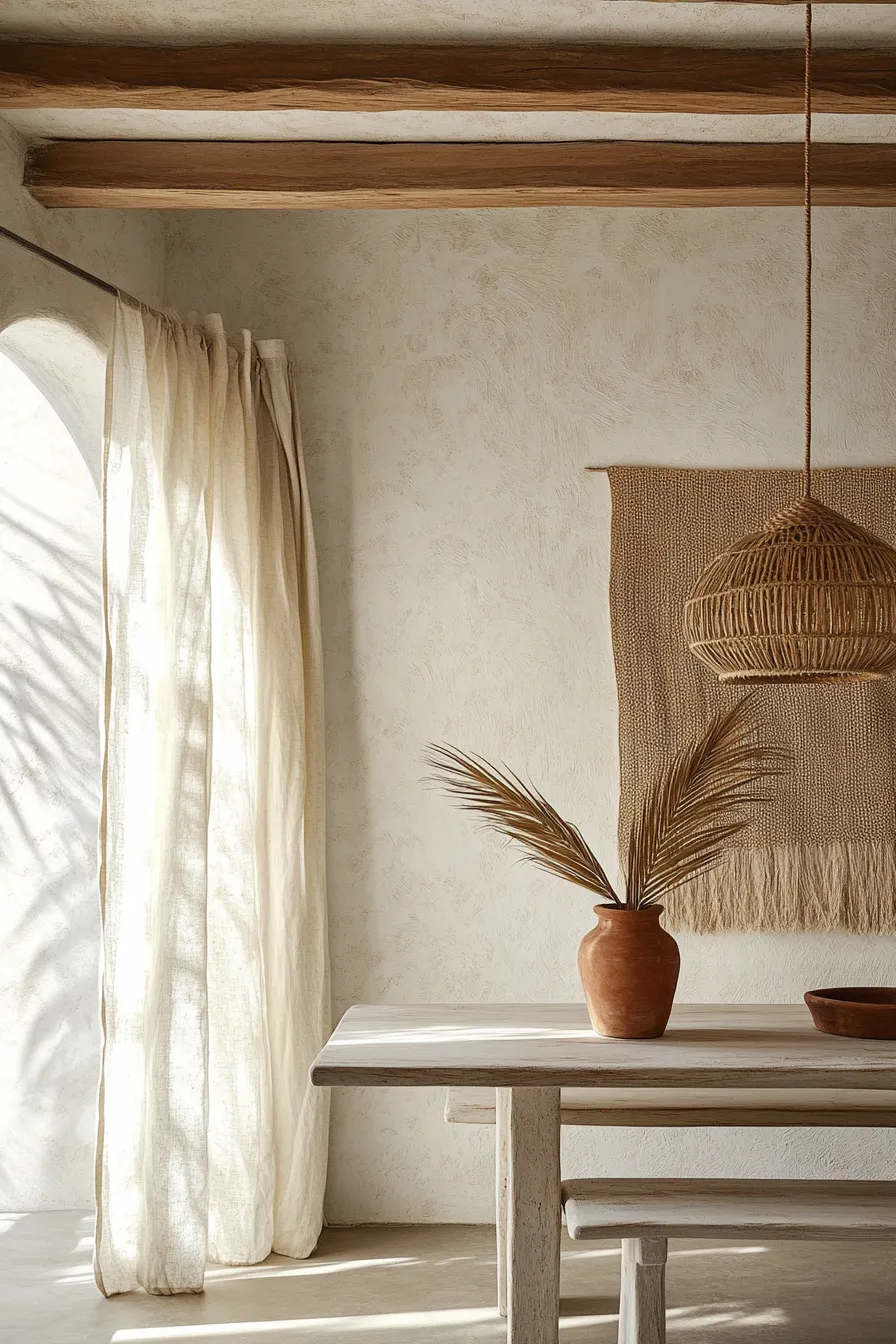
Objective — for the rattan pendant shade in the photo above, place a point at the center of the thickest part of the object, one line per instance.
(810, 596)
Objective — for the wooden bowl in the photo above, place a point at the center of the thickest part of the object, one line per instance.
(869, 1013)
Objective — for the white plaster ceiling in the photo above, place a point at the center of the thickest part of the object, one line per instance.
(174, 21)
(437, 20)
(136, 125)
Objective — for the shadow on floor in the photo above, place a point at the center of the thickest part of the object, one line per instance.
(436, 1285)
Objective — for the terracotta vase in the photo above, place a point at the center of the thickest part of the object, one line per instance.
(629, 969)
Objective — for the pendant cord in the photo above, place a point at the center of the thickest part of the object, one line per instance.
(807, 179)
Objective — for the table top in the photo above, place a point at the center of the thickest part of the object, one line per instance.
(553, 1045)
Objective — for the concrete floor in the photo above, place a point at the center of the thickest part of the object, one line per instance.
(435, 1285)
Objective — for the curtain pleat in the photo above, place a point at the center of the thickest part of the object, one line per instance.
(211, 1142)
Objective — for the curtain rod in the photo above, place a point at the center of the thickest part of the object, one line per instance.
(64, 265)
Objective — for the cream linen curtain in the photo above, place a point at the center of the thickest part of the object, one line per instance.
(211, 1144)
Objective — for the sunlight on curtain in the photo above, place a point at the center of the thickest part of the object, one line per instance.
(212, 1144)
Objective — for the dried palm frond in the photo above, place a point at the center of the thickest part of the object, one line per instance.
(699, 804)
(519, 812)
(687, 818)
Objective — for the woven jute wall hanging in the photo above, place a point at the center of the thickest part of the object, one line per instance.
(824, 856)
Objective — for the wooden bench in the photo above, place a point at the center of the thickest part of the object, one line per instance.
(646, 1107)
(646, 1213)
(668, 1108)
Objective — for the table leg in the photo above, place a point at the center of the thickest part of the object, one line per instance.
(502, 1142)
(533, 1208)
(642, 1294)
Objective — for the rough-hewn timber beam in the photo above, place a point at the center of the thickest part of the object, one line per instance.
(470, 78)
(196, 175)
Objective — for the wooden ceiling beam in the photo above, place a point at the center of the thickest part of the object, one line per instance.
(210, 175)
(604, 78)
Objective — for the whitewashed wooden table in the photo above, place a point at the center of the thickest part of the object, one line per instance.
(535, 1049)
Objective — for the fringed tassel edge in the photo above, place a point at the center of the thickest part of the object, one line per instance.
(792, 888)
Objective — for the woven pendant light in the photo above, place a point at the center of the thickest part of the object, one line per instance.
(811, 596)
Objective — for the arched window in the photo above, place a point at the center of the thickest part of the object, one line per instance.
(50, 678)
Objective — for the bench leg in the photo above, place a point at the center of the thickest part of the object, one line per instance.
(533, 1223)
(642, 1296)
(502, 1137)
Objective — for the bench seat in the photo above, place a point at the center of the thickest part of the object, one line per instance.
(653, 1108)
(694, 1107)
(772, 1210)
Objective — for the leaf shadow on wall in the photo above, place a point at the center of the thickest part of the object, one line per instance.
(50, 623)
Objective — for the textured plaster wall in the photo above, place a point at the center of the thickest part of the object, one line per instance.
(49, 798)
(457, 371)
(53, 333)
(125, 247)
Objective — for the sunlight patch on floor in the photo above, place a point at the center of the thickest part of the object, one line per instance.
(399, 1320)
(78, 1274)
(720, 1250)
(307, 1267)
(436, 1285)
(616, 1251)
(710, 1316)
